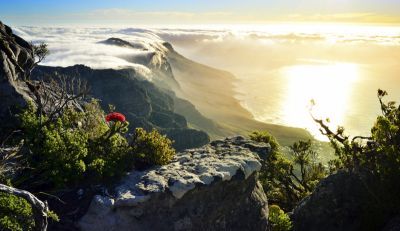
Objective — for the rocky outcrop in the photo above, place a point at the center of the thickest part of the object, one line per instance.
(15, 59)
(209, 188)
(342, 201)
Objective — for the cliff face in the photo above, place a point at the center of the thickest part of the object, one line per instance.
(210, 188)
(154, 56)
(15, 58)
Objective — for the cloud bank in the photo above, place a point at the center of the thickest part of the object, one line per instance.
(80, 45)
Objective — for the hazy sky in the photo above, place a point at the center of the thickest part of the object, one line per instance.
(127, 12)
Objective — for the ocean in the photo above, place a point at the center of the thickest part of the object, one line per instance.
(279, 69)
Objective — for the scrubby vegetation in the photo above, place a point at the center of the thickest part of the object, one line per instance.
(278, 219)
(151, 148)
(83, 145)
(65, 141)
(79, 147)
(61, 151)
(376, 158)
(285, 180)
(15, 213)
(288, 180)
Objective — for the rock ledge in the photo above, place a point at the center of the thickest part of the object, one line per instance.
(213, 187)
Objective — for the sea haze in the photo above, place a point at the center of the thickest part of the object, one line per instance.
(279, 68)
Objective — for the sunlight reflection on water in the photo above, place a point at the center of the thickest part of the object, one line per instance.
(328, 84)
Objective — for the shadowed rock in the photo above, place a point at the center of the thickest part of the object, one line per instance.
(15, 58)
(339, 202)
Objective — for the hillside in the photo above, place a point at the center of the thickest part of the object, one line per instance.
(210, 91)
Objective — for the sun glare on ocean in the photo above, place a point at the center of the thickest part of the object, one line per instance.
(328, 84)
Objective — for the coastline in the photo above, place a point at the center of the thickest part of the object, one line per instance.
(212, 91)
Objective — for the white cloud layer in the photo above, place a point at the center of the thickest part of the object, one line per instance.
(80, 45)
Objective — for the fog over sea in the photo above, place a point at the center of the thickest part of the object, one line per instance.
(279, 68)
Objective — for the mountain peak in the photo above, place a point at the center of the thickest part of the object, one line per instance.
(119, 42)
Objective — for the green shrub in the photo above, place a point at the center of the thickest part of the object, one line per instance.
(278, 219)
(75, 147)
(151, 148)
(264, 136)
(109, 157)
(58, 147)
(287, 181)
(15, 213)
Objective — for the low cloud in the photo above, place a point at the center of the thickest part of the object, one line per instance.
(246, 45)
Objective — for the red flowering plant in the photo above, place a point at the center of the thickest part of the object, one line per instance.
(117, 123)
(115, 116)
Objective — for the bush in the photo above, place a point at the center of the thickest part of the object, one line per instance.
(278, 219)
(264, 136)
(15, 213)
(86, 145)
(58, 147)
(74, 147)
(109, 157)
(151, 148)
(287, 181)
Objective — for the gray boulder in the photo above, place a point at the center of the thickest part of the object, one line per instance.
(337, 203)
(209, 188)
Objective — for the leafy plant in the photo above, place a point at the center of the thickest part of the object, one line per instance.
(15, 213)
(278, 219)
(151, 148)
(109, 157)
(74, 147)
(288, 181)
(58, 149)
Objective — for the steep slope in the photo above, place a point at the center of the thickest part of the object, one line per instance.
(153, 56)
(141, 101)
